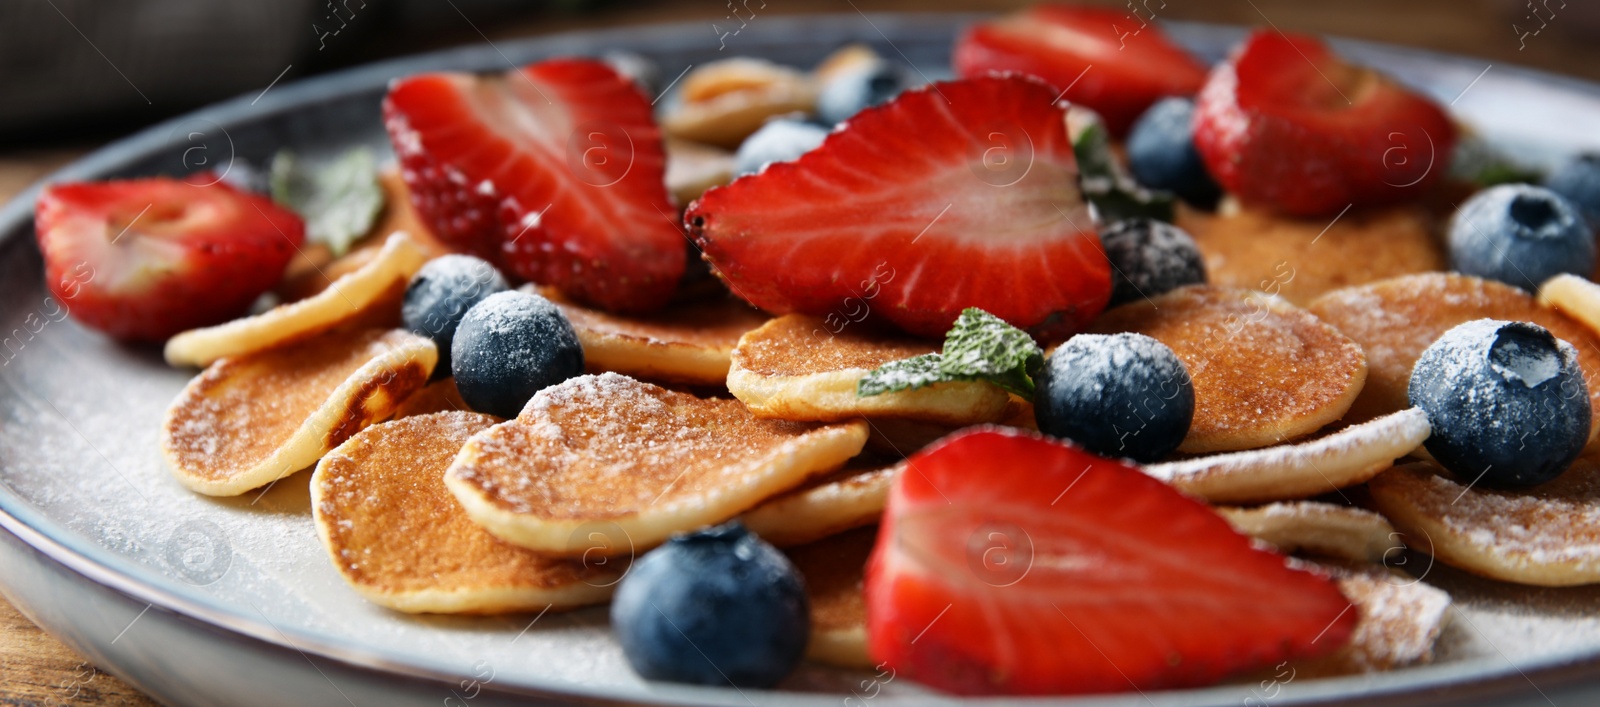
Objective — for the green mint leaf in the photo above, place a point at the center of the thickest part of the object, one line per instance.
(1114, 193)
(905, 374)
(1091, 144)
(338, 199)
(1485, 165)
(983, 346)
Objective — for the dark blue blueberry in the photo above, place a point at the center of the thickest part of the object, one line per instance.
(510, 346)
(1578, 179)
(716, 607)
(779, 140)
(858, 87)
(1521, 235)
(1162, 155)
(1149, 257)
(1507, 402)
(1122, 395)
(440, 295)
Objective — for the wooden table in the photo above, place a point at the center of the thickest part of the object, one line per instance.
(36, 669)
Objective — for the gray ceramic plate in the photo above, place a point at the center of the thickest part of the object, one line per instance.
(232, 601)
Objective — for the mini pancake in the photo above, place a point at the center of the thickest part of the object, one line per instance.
(692, 168)
(634, 463)
(795, 368)
(723, 102)
(1322, 529)
(1299, 260)
(688, 342)
(373, 290)
(1264, 371)
(1546, 536)
(833, 568)
(402, 541)
(1395, 320)
(314, 268)
(1398, 623)
(1337, 460)
(849, 498)
(438, 396)
(249, 420)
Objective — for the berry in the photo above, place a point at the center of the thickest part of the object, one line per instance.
(143, 259)
(716, 607)
(1123, 395)
(440, 295)
(554, 172)
(1506, 400)
(1521, 235)
(1578, 179)
(1284, 123)
(1011, 563)
(960, 194)
(778, 141)
(1149, 257)
(1162, 155)
(858, 87)
(510, 346)
(1103, 58)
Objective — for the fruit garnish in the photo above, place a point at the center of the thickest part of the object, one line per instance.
(143, 259)
(1102, 58)
(439, 295)
(1521, 235)
(969, 187)
(1287, 124)
(1150, 258)
(1012, 564)
(554, 172)
(1162, 155)
(508, 347)
(339, 199)
(1107, 185)
(980, 346)
(1118, 395)
(1577, 179)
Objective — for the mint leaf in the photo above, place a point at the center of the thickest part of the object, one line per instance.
(980, 346)
(338, 199)
(1114, 193)
(1485, 165)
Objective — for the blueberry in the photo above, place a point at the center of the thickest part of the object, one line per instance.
(1122, 395)
(440, 295)
(1149, 257)
(779, 140)
(1506, 400)
(1162, 155)
(1521, 235)
(1578, 179)
(716, 607)
(510, 346)
(858, 87)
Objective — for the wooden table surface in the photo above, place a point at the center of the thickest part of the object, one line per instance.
(37, 669)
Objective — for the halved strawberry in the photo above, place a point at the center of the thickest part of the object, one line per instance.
(143, 259)
(1109, 60)
(959, 194)
(1009, 563)
(1286, 124)
(555, 171)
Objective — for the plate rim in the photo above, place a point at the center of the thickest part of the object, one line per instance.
(65, 546)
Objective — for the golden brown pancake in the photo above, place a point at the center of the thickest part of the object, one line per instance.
(402, 541)
(249, 420)
(724, 101)
(692, 168)
(1547, 536)
(1396, 319)
(688, 342)
(795, 368)
(438, 396)
(833, 568)
(1264, 370)
(1337, 460)
(1398, 622)
(849, 498)
(1298, 260)
(372, 290)
(634, 462)
(1320, 529)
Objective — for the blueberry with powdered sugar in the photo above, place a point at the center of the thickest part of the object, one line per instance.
(440, 294)
(510, 346)
(1149, 257)
(1506, 400)
(1521, 235)
(1119, 395)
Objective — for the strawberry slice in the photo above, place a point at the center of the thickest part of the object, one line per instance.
(960, 194)
(1111, 61)
(1009, 563)
(555, 172)
(143, 259)
(1286, 124)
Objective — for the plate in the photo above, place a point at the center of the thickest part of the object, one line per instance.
(200, 600)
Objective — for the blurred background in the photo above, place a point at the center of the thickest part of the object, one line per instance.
(75, 74)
